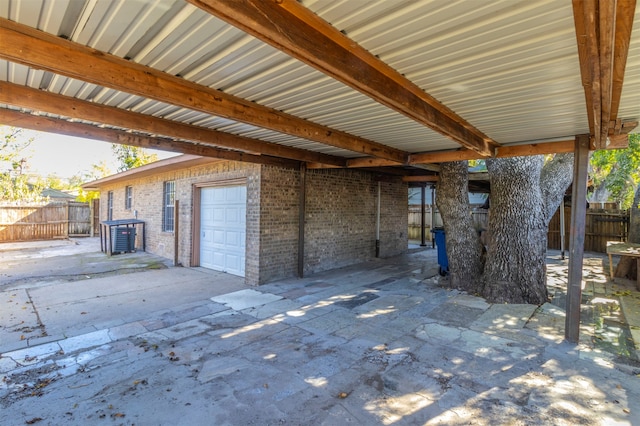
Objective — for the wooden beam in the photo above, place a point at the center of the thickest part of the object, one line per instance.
(425, 178)
(292, 28)
(584, 15)
(364, 162)
(628, 126)
(625, 13)
(536, 149)
(52, 125)
(501, 152)
(618, 142)
(370, 162)
(431, 167)
(473, 177)
(478, 176)
(576, 238)
(619, 134)
(390, 171)
(39, 100)
(466, 154)
(606, 41)
(25, 45)
(321, 166)
(444, 157)
(603, 33)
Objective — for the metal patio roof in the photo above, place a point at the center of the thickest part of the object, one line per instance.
(331, 83)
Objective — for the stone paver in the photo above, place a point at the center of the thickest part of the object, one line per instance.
(364, 345)
(245, 299)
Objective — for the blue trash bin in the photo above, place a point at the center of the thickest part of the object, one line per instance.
(443, 260)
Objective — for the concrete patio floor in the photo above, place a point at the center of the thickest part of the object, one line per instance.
(377, 343)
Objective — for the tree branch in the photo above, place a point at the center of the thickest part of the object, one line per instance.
(555, 178)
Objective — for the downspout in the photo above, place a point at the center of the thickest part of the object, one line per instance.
(422, 216)
(378, 224)
(433, 214)
(301, 218)
(562, 228)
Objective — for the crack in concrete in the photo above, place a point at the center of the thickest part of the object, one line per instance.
(41, 326)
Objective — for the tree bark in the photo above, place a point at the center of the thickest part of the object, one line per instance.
(555, 178)
(517, 243)
(464, 250)
(525, 193)
(628, 266)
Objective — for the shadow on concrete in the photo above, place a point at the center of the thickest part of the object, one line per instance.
(376, 343)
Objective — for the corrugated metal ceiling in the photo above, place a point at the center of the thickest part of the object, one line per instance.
(510, 68)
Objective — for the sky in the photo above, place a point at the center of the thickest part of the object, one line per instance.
(66, 156)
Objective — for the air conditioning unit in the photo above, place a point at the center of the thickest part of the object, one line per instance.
(123, 239)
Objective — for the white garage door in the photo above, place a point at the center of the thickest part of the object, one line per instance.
(223, 228)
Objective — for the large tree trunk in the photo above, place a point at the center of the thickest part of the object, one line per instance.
(627, 267)
(464, 250)
(515, 267)
(524, 196)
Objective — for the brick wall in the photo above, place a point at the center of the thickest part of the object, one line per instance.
(147, 200)
(341, 218)
(394, 217)
(279, 200)
(340, 221)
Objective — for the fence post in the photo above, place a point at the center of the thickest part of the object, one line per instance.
(91, 219)
(67, 218)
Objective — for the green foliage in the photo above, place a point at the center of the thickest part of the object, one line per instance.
(618, 170)
(14, 183)
(98, 171)
(12, 143)
(87, 196)
(17, 189)
(132, 156)
(18, 186)
(55, 182)
(478, 165)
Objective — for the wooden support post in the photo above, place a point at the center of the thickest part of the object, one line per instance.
(176, 233)
(301, 218)
(101, 234)
(576, 238)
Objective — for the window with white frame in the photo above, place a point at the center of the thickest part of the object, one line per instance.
(169, 194)
(128, 197)
(110, 205)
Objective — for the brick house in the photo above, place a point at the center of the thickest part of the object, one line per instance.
(244, 218)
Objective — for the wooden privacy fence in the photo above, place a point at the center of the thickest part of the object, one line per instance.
(415, 221)
(415, 213)
(601, 226)
(59, 219)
